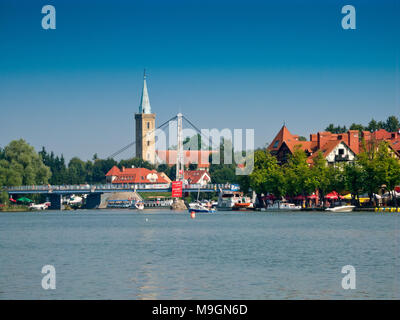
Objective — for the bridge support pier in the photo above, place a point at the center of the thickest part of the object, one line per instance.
(93, 201)
(55, 200)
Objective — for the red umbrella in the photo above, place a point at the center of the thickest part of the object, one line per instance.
(333, 195)
(12, 200)
(313, 196)
(397, 189)
(299, 197)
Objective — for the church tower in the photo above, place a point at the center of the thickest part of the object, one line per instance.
(145, 128)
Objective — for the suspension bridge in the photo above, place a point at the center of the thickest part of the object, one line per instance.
(94, 192)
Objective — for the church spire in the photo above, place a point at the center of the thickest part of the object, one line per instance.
(144, 106)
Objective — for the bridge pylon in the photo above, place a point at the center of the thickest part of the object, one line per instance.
(180, 166)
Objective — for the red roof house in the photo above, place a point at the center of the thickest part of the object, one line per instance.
(197, 177)
(135, 175)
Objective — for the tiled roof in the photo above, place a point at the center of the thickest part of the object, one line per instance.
(283, 135)
(136, 175)
(114, 171)
(381, 134)
(195, 175)
(396, 144)
(309, 146)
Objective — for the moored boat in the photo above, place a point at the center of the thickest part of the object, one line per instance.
(284, 206)
(199, 207)
(341, 209)
(228, 199)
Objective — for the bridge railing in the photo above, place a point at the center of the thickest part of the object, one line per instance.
(101, 187)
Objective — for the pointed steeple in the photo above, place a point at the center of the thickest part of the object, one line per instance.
(144, 106)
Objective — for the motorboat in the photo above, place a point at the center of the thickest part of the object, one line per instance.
(138, 205)
(228, 199)
(284, 206)
(199, 207)
(39, 206)
(341, 209)
(120, 204)
(243, 204)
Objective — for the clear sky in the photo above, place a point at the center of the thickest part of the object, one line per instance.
(224, 64)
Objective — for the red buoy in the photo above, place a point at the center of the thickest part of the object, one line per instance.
(192, 214)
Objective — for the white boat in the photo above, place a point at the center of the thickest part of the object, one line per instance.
(228, 199)
(40, 206)
(138, 205)
(284, 206)
(341, 209)
(199, 207)
(119, 203)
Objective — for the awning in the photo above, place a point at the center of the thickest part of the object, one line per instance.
(333, 195)
(25, 199)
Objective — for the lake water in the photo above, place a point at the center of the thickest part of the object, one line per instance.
(125, 254)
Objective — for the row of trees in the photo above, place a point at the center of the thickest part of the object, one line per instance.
(79, 171)
(367, 174)
(391, 124)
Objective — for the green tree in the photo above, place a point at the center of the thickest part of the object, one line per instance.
(4, 197)
(359, 127)
(392, 124)
(21, 165)
(353, 180)
(331, 128)
(100, 169)
(372, 126)
(136, 163)
(76, 171)
(297, 173)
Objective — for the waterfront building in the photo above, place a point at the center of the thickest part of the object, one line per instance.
(201, 177)
(392, 137)
(135, 176)
(145, 128)
(341, 147)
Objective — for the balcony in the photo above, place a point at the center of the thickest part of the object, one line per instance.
(341, 157)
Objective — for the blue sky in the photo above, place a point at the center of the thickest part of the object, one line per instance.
(224, 64)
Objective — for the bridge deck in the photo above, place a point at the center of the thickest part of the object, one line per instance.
(107, 188)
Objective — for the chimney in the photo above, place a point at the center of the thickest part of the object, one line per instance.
(323, 137)
(123, 169)
(353, 140)
(366, 135)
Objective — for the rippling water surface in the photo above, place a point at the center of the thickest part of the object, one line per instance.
(123, 254)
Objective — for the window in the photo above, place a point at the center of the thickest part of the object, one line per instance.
(148, 125)
(276, 144)
(341, 151)
(148, 143)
